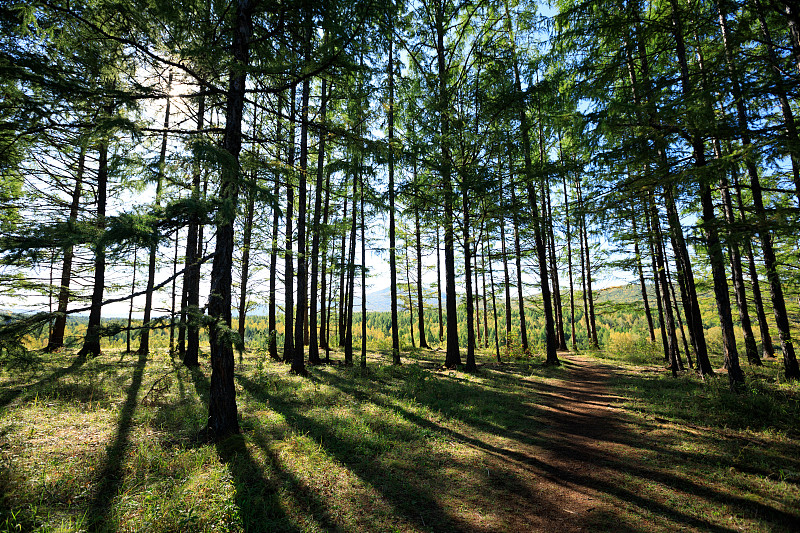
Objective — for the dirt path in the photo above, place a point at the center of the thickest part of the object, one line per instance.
(561, 471)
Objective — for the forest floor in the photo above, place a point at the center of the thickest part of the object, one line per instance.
(111, 444)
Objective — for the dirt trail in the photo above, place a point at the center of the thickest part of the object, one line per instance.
(562, 469)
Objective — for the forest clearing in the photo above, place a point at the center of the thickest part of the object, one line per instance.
(113, 444)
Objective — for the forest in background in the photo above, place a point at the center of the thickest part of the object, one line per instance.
(167, 157)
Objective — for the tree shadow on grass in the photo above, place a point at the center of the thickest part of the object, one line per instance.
(12, 394)
(256, 485)
(110, 475)
(519, 425)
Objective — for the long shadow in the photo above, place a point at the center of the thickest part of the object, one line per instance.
(111, 477)
(257, 496)
(414, 502)
(12, 394)
(565, 447)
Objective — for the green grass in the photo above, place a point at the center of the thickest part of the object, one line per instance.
(111, 444)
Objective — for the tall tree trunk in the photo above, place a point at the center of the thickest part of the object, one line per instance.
(691, 305)
(363, 280)
(288, 308)
(713, 243)
(392, 230)
(56, 340)
(587, 269)
(668, 322)
(410, 300)
(439, 284)
(313, 345)
(766, 338)
(247, 239)
(343, 292)
(298, 357)
(324, 303)
(172, 310)
(130, 306)
(680, 321)
(494, 300)
(506, 278)
(637, 252)
(483, 283)
(144, 339)
(651, 239)
(523, 330)
(423, 341)
(541, 249)
(569, 264)
(272, 319)
(351, 273)
(750, 347)
(222, 412)
(91, 343)
(191, 276)
(471, 366)
(453, 354)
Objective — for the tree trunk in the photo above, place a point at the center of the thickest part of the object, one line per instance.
(144, 339)
(439, 284)
(363, 281)
(471, 367)
(423, 341)
(494, 301)
(172, 298)
(288, 308)
(351, 273)
(588, 295)
(191, 276)
(392, 230)
(541, 249)
(506, 278)
(222, 412)
(130, 307)
(569, 265)
(56, 340)
(324, 301)
(668, 322)
(523, 330)
(637, 252)
(91, 343)
(298, 357)
(247, 238)
(713, 243)
(313, 344)
(766, 338)
(410, 300)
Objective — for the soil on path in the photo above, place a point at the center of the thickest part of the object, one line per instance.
(564, 468)
(592, 467)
